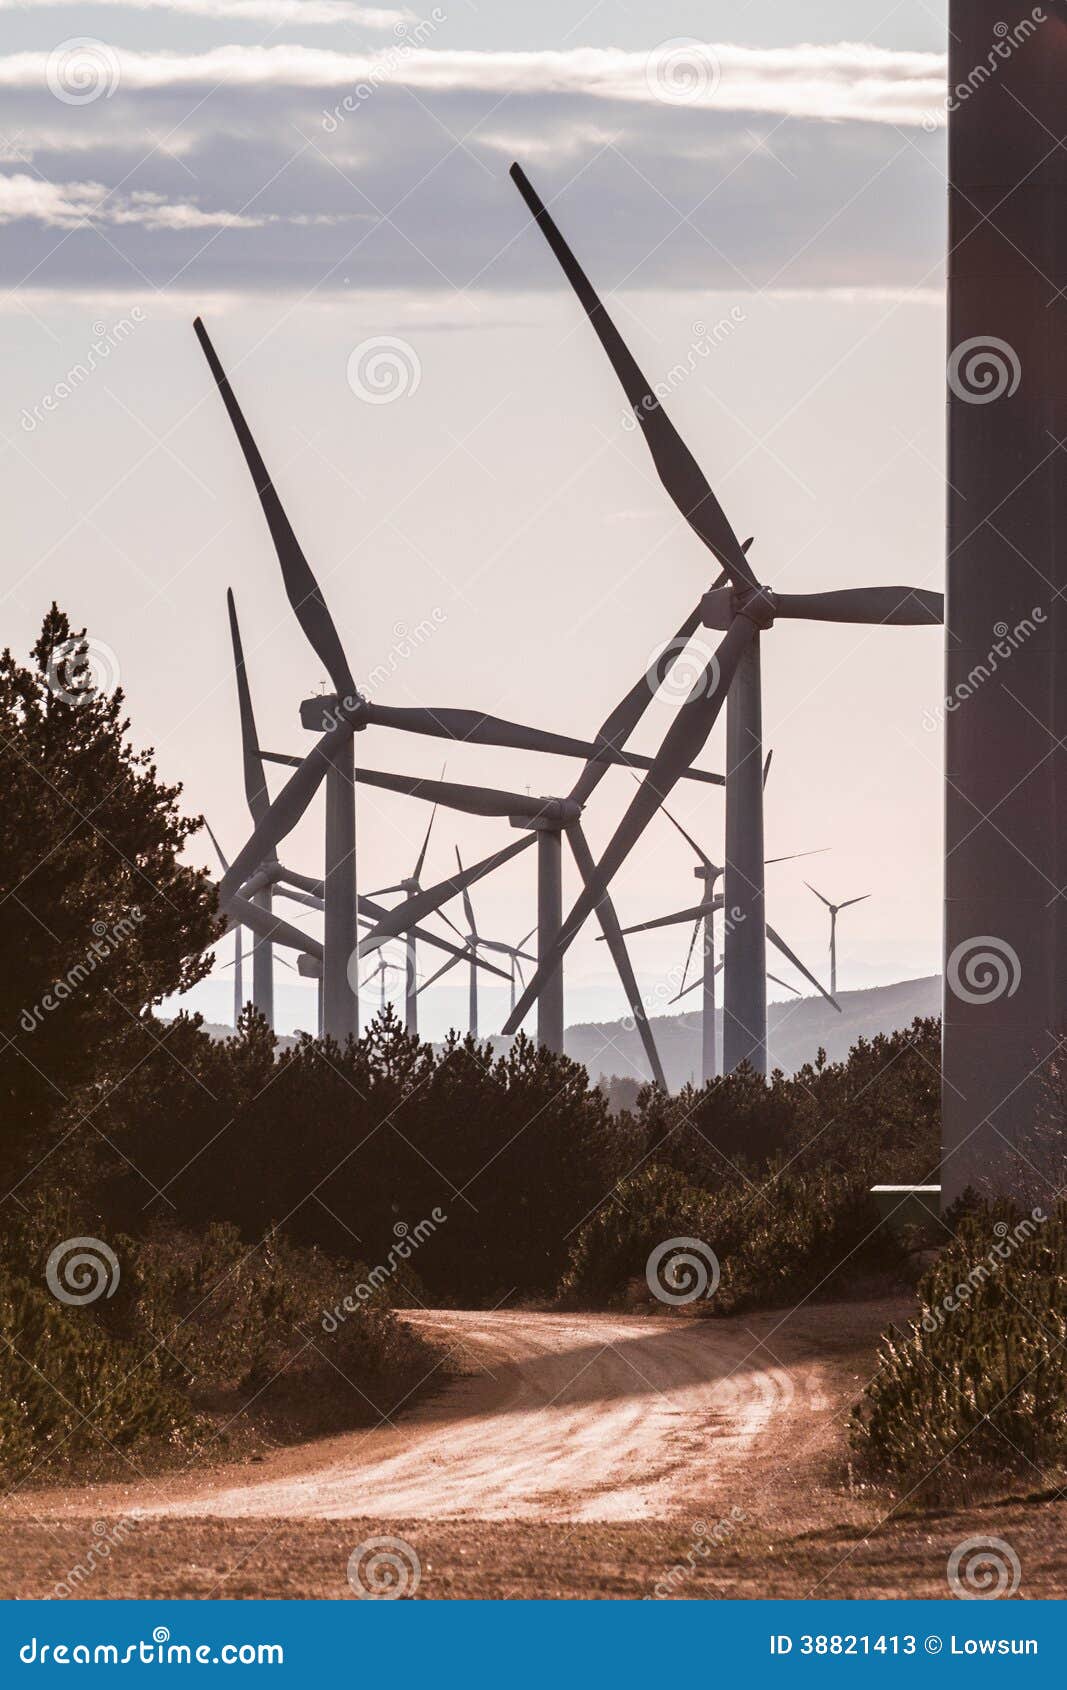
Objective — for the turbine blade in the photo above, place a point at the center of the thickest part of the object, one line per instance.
(476, 728)
(689, 952)
(685, 991)
(688, 838)
(786, 987)
(819, 895)
(282, 814)
(679, 919)
(255, 775)
(620, 956)
(795, 856)
(444, 968)
(684, 741)
(265, 924)
(468, 907)
(790, 956)
(675, 465)
(301, 587)
(850, 901)
(384, 891)
(897, 607)
(767, 768)
(218, 847)
(421, 858)
(620, 724)
(400, 919)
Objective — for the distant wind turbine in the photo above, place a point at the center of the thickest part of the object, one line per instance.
(835, 910)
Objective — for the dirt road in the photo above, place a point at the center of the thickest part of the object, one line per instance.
(574, 1455)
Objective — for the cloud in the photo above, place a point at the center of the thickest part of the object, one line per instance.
(392, 167)
(848, 81)
(274, 12)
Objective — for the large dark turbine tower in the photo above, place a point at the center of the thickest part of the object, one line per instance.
(746, 610)
(1006, 762)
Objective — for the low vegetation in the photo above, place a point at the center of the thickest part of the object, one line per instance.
(977, 1383)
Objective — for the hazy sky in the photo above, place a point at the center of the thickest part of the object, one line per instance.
(766, 214)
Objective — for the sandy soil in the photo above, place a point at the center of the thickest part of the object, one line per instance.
(575, 1455)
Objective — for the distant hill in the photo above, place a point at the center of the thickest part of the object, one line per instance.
(795, 1031)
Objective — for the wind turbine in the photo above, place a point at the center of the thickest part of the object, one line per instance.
(835, 910)
(474, 943)
(238, 942)
(702, 916)
(381, 968)
(745, 610)
(338, 717)
(409, 886)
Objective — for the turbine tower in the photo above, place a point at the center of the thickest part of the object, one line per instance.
(702, 915)
(411, 884)
(740, 600)
(835, 910)
(1006, 763)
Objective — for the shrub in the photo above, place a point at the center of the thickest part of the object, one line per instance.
(196, 1324)
(340, 1145)
(615, 1243)
(790, 1236)
(979, 1380)
(68, 1385)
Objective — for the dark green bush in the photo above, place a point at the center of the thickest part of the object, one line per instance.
(979, 1381)
(196, 1323)
(777, 1241)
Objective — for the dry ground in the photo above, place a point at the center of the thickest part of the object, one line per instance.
(575, 1455)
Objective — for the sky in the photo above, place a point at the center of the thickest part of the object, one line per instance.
(758, 192)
